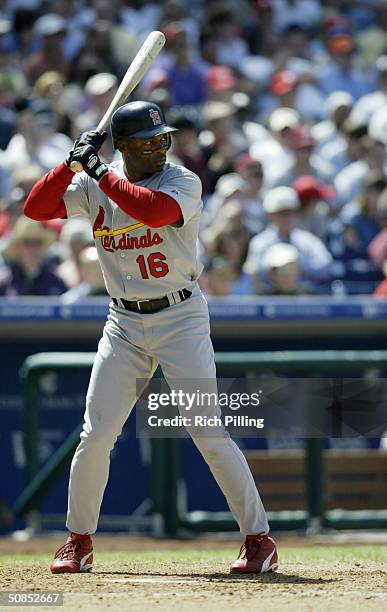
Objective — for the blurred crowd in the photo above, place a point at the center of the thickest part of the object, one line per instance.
(281, 107)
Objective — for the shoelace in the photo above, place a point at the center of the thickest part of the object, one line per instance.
(249, 548)
(69, 550)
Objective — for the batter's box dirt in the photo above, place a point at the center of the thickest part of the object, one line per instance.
(191, 577)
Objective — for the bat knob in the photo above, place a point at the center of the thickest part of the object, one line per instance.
(76, 166)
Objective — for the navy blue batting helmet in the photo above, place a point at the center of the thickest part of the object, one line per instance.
(139, 120)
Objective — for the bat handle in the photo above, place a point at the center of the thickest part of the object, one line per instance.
(76, 166)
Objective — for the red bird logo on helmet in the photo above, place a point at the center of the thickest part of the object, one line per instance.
(155, 116)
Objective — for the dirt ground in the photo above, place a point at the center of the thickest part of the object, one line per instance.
(203, 586)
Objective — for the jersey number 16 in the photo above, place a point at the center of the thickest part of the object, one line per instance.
(155, 263)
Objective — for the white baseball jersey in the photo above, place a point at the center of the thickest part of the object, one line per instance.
(140, 262)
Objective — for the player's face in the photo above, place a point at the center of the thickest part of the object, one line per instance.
(144, 156)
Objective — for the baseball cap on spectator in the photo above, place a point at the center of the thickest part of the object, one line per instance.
(215, 110)
(49, 25)
(339, 38)
(301, 137)
(283, 82)
(377, 128)
(338, 99)
(280, 199)
(99, 84)
(5, 26)
(309, 189)
(228, 184)
(220, 78)
(46, 81)
(279, 255)
(283, 118)
(244, 161)
(28, 229)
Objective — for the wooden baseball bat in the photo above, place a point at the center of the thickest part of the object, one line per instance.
(136, 71)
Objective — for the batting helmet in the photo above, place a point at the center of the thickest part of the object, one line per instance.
(139, 120)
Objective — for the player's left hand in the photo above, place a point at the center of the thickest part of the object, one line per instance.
(91, 163)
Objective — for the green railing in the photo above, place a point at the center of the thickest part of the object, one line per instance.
(165, 464)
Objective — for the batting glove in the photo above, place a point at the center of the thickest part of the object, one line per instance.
(90, 161)
(93, 138)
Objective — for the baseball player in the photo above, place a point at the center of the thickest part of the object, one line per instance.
(145, 215)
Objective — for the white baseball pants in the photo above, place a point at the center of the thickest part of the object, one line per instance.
(132, 345)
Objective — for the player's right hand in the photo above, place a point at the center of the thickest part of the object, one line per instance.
(90, 138)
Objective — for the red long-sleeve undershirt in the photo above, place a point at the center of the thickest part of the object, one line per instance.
(153, 208)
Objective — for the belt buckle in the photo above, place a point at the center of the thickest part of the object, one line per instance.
(138, 302)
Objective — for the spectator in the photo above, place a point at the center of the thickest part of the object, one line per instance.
(371, 41)
(231, 48)
(361, 215)
(329, 137)
(226, 243)
(90, 277)
(281, 205)
(342, 71)
(270, 93)
(251, 172)
(304, 13)
(372, 158)
(36, 142)
(282, 270)
(381, 289)
(272, 149)
(76, 235)
(185, 148)
(50, 29)
(294, 91)
(369, 103)
(220, 83)
(22, 181)
(218, 277)
(350, 236)
(304, 161)
(221, 139)
(315, 209)
(228, 187)
(96, 55)
(50, 88)
(377, 248)
(99, 89)
(25, 270)
(185, 76)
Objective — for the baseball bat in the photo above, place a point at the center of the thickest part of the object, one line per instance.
(136, 71)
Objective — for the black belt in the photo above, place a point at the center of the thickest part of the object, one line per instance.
(149, 306)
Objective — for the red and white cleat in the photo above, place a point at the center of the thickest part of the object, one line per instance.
(258, 554)
(75, 556)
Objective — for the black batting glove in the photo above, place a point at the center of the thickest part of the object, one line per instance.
(90, 161)
(92, 138)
